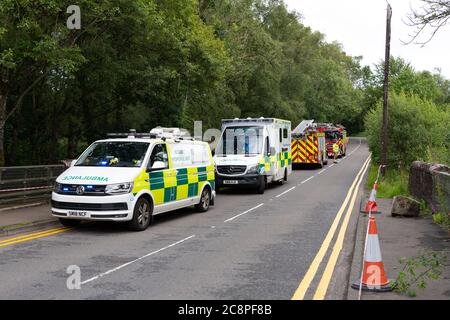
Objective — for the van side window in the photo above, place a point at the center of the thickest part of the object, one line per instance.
(281, 135)
(159, 153)
(266, 146)
(285, 133)
(200, 155)
(181, 155)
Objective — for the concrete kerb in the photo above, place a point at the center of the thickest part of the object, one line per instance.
(27, 226)
(358, 251)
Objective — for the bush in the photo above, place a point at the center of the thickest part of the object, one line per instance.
(418, 130)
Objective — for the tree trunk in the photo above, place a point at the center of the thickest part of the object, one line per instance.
(13, 155)
(3, 98)
(54, 134)
(71, 139)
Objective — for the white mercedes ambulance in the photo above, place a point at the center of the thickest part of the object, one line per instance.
(253, 152)
(134, 178)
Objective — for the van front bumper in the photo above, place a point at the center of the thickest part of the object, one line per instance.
(102, 208)
(242, 180)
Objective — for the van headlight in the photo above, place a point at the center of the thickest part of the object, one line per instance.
(57, 187)
(253, 169)
(119, 188)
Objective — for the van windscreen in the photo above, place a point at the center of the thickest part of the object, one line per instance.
(241, 140)
(114, 154)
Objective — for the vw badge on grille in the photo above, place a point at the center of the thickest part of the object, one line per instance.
(80, 190)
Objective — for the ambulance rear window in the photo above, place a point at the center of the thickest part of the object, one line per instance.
(114, 154)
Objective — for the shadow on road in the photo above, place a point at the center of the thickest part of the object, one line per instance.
(104, 227)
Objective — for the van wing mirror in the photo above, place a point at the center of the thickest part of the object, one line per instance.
(157, 165)
(272, 151)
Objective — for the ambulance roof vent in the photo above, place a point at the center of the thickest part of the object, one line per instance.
(170, 133)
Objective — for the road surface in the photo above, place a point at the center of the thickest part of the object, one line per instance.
(284, 244)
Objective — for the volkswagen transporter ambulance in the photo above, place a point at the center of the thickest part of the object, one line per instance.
(132, 179)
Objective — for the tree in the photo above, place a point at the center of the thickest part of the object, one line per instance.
(136, 63)
(35, 47)
(434, 15)
(418, 131)
(142, 63)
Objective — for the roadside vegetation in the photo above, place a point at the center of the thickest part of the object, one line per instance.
(416, 272)
(143, 63)
(361, 134)
(419, 117)
(391, 185)
(440, 217)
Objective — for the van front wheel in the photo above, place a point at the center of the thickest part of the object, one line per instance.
(142, 215)
(205, 201)
(261, 187)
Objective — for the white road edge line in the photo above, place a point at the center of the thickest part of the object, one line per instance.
(356, 148)
(321, 171)
(331, 165)
(245, 212)
(136, 260)
(304, 181)
(289, 190)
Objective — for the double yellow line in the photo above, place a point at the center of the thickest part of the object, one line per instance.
(32, 236)
(321, 289)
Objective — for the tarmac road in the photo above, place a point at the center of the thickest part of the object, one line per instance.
(248, 246)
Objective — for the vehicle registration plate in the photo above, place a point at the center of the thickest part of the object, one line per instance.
(79, 214)
(230, 182)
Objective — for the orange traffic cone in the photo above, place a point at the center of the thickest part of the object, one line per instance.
(373, 275)
(371, 205)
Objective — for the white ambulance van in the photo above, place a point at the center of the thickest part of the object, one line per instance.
(134, 178)
(253, 152)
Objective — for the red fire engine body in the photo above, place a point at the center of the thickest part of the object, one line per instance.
(334, 134)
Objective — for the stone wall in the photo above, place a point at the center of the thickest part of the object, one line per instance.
(431, 182)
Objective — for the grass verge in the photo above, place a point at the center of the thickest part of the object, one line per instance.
(359, 135)
(394, 183)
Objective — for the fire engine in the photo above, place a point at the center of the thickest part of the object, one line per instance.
(308, 145)
(334, 134)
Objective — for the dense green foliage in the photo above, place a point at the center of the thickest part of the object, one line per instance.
(143, 63)
(418, 130)
(418, 118)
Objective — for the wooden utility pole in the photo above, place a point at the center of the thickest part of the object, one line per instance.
(384, 131)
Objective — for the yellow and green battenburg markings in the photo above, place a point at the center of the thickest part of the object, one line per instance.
(168, 185)
(282, 159)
